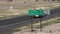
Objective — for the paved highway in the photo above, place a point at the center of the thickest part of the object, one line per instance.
(22, 19)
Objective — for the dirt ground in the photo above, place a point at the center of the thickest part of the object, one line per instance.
(51, 29)
(20, 8)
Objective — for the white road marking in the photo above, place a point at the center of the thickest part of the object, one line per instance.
(20, 22)
(15, 23)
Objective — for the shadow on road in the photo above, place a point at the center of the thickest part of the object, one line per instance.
(10, 30)
(19, 19)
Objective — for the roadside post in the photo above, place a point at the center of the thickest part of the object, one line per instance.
(41, 16)
(36, 14)
(31, 13)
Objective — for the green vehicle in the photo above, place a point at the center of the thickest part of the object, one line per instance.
(36, 13)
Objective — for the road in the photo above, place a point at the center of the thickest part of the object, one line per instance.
(22, 20)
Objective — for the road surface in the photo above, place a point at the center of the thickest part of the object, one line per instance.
(22, 19)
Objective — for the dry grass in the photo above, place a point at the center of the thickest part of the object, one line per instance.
(20, 9)
(37, 25)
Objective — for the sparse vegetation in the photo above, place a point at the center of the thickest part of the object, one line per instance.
(38, 26)
(21, 10)
(49, 23)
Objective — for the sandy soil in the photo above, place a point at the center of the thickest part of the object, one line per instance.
(55, 29)
(51, 29)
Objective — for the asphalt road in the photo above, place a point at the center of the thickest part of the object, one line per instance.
(14, 20)
(22, 19)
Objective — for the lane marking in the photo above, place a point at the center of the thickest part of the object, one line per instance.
(15, 23)
(20, 22)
